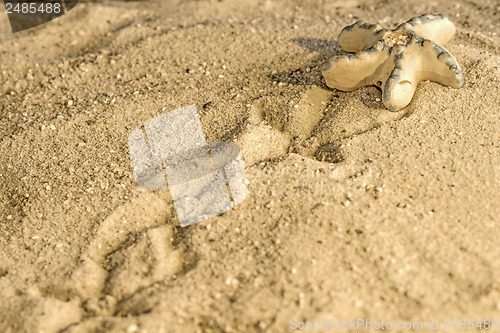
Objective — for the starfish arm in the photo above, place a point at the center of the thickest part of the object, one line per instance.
(349, 72)
(360, 36)
(421, 59)
(399, 88)
(437, 28)
(438, 65)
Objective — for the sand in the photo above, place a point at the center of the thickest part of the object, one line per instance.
(353, 212)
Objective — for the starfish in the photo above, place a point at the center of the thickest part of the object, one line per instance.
(395, 60)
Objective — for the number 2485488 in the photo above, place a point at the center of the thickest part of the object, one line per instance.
(33, 8)
(470, 324)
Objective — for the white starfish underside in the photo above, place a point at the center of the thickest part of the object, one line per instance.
(396, 60)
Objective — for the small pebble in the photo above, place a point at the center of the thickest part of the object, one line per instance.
(132, 328)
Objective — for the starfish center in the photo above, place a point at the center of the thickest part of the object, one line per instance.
(393, 38)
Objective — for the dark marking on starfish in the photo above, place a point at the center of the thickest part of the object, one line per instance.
(367, 26)
(349, 27)
(398, 56)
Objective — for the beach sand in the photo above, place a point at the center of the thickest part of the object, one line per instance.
(354, 212)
